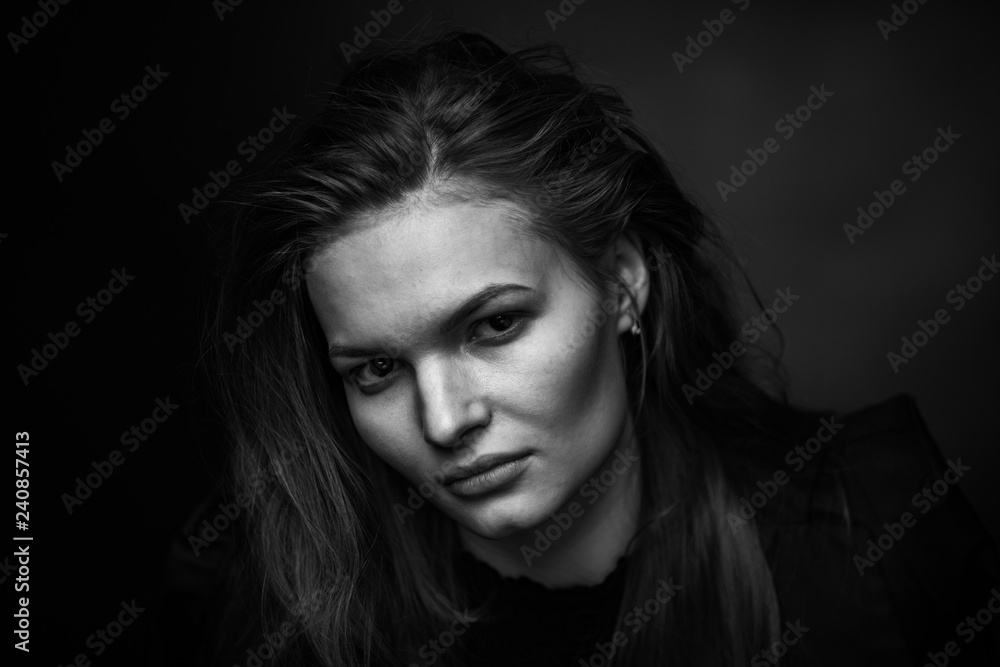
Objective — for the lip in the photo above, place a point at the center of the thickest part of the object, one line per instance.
(486, 474)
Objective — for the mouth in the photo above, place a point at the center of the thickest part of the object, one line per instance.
(486, 474)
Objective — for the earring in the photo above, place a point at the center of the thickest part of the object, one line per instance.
(636, 329)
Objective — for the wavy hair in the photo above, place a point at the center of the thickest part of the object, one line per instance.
(466, 118)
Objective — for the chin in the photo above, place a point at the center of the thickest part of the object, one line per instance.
(503, 517)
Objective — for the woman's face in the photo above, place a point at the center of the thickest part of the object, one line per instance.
(474, 360)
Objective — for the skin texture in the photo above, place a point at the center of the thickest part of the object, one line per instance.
(503, 379)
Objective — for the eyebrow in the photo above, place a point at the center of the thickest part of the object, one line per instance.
(467, 307)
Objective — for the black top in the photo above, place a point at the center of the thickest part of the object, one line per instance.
(539, 625)
(888, 591)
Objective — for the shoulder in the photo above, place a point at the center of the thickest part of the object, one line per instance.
(871, 463)
(877, 465)
(872, 537)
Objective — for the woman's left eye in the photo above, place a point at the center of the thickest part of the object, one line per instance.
(497, 327)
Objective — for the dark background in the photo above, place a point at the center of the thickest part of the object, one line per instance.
(119, 208)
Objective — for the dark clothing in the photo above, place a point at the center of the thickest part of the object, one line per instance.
(889, 581)
(888, 602)
(894, 592)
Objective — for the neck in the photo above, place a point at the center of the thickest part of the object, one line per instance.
(583, 541)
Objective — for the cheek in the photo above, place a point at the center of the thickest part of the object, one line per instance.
(571, 384)
(384, 432)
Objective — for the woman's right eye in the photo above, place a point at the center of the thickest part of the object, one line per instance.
(381, 366)
(373, 372)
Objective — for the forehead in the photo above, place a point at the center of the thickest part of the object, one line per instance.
(400, 270)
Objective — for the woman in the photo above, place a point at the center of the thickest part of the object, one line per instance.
(497, 407)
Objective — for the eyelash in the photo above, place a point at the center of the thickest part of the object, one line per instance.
(513, 330)
(509, 332)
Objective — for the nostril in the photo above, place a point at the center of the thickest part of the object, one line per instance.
(471, 436)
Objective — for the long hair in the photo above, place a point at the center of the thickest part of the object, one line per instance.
(465, 117)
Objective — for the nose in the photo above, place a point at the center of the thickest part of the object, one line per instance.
(450, 403)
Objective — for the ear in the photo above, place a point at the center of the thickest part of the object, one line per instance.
(628, 262)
